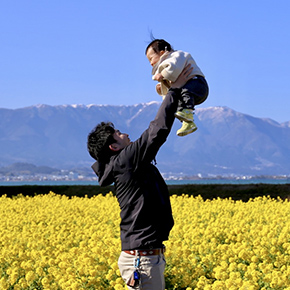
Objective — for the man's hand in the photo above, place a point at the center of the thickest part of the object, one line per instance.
(158, 89)
(182, 78)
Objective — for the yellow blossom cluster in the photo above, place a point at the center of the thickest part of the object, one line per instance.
(56, 242)
(225, 244)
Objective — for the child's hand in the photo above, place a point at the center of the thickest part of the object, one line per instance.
(158, 77)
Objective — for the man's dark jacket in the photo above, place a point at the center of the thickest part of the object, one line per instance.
(146, 215)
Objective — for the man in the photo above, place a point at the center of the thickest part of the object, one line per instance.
(146, 216)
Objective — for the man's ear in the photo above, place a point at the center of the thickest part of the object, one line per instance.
(114, 147)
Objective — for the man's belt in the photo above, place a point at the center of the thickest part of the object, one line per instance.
(147, 252)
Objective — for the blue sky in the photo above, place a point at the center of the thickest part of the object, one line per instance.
(92, 52)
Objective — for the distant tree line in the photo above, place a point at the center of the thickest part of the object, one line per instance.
(206, 191)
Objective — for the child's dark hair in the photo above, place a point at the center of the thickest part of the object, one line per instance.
(159, 45)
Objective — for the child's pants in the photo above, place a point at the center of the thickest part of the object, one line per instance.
(194, 92)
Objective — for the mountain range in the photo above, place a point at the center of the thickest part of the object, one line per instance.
(227, 142)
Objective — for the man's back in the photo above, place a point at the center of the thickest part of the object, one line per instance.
(146, 215)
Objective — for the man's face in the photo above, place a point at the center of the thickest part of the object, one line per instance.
(122, 140)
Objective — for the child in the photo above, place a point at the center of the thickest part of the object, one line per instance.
(167, 65)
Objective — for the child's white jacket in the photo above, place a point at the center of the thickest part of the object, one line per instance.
(171, 65)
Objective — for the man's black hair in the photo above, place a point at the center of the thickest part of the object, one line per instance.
(99, 140)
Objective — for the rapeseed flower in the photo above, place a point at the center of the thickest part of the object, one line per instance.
(55, 242)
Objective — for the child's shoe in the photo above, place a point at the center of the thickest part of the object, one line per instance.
(185, 115)
(186, 128)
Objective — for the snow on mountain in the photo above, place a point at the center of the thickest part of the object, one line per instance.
(226, 142)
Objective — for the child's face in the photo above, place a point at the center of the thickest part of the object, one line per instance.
(153, 56)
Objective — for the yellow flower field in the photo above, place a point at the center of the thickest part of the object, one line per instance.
(55, 242)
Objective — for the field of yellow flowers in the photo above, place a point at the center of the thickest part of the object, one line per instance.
(55, 242)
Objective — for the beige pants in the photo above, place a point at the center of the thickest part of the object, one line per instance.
(151, 271)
